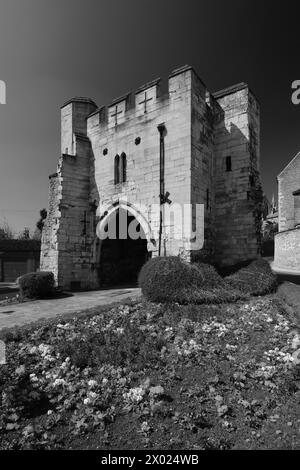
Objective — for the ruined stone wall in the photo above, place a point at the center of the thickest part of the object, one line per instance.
(76, 235)
(237, 195)
(49, 244)
(288, 182)
(69, 234)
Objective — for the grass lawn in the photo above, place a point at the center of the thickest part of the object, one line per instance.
(143, 375)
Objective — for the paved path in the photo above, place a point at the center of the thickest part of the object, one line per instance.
(27, 312)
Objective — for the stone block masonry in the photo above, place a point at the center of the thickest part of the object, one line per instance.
(287, 241)
(211, 149)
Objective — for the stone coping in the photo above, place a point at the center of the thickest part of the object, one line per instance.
(79, 99)
(229, 90)
(287, 231)
(279, 270)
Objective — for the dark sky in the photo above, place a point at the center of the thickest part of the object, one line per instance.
(51, 50)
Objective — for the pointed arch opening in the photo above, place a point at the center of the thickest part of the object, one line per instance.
(123, 249)
(126, 243)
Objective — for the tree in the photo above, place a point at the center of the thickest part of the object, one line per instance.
(25, 235)
(6, 232)
(41, 221)
(37, 234)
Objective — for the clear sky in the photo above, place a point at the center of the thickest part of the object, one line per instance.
(51, 50)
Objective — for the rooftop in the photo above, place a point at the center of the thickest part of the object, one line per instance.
(19, 245)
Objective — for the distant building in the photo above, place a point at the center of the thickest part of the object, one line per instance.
(272, 215)
(18, 257)
(287, 241)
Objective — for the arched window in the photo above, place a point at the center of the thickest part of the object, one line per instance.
(117, 169)
(123, 168)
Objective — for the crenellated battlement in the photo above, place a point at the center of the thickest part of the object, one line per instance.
(147, 98)
(143, 101)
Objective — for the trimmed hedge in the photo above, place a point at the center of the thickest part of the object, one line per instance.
(170, 279)
(255, 279)
(36, 285)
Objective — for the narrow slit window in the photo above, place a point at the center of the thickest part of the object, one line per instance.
(228, 163)
(123, 168)
(207, 199)
(117, 169)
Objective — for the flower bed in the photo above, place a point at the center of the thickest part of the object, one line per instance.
(150, 376)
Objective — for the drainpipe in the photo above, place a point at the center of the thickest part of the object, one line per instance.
(161, 129)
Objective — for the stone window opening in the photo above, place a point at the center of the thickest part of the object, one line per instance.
(120, 168)
(117, 169)
(228, 163)
(84, 222)
(123, 168)
(296, 195)
(207, 199)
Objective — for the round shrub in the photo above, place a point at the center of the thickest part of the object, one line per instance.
(36, 285)
(161, 278)
(255, 279)
(170, 279)
(210, 276)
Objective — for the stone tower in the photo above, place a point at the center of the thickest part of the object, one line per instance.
(152, 150)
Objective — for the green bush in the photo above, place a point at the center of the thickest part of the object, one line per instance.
(170, 279)
(255, 279)
(36, 285)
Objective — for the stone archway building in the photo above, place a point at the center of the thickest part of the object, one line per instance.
(186, 146)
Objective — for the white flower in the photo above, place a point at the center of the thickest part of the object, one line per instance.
(58, 382)
(92, 383)
(135, 394)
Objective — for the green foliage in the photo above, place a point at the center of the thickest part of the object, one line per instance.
(23, 395)
(255, 279)
(25, 234)
(36, 285)
(6, 232)
(41, 221)
(267, 243)
(129, 346)
(146, 367)
(170, 279)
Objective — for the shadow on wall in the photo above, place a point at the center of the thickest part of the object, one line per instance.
(236, 223)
